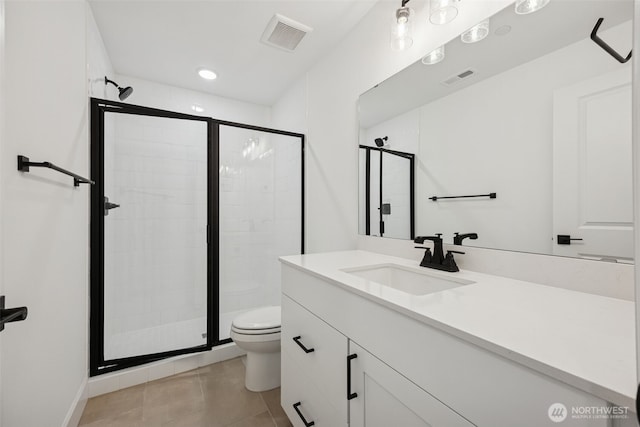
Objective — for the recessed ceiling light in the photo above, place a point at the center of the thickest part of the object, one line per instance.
(197, 108)
(207, 74)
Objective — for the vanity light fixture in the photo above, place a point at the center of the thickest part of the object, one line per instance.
(197, 108)
(207, 74)
(524, 7)
(443, 11)
(433, 57)
(476, 33)
(401, 37)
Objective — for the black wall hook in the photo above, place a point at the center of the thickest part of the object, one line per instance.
(605, 46)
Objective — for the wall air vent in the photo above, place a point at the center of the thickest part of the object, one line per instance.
(457, 78)
(284, 33)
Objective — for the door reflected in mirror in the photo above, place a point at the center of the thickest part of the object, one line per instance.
(537, 113)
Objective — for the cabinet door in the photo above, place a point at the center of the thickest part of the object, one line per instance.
(319, 349)
(386, 398)
(303, 402)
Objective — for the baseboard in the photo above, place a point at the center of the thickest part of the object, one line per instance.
(77, 406)
(108, 383)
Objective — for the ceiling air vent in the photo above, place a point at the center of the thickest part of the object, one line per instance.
(284, 33)
(457, 78)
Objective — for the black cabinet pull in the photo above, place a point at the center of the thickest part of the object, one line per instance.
(8, 315)
(306, 350)
(349, 394)
(306, 423)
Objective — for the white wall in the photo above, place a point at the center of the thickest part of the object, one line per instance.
(98, 63)
(329, 98)
(44, 218)
(172, 98)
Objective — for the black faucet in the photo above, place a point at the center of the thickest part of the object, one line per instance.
(437, 260)
(458, 238)
(438, 254)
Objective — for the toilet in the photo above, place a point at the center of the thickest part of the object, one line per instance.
(258, 333)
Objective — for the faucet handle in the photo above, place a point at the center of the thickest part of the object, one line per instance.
(449, 262)
(426, 259)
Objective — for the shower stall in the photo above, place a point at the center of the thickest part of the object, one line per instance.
(189, 215)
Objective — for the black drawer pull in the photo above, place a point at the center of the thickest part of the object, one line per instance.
(306, 423)
(306, 350)
(349, 394)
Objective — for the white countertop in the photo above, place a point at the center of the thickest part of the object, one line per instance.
(585, 340)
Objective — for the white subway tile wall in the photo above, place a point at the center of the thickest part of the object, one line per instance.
(260, 217)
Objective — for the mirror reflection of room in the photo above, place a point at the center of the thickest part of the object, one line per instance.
(541, 118)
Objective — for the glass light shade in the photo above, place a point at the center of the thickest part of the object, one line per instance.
(443, 11)
(476, 33)
(529, 6)
(401, 32)
(434, 56)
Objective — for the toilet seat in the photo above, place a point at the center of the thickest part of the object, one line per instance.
(267, 331)
(261, 320)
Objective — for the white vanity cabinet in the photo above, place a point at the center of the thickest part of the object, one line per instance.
(382, 397)
(406, 372)
(313, 368)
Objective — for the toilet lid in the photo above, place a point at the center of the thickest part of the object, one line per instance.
(261, 318)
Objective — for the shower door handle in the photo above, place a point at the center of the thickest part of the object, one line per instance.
(108, 206)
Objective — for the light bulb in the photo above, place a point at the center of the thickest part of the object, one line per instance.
(401, 38)
(207, 74)
(476, 33)
(443, 11)
(529, 6)
(434, 56)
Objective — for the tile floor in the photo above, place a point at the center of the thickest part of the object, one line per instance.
(211, 396)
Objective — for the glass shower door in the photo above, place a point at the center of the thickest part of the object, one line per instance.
(153, 195)
(260, 214)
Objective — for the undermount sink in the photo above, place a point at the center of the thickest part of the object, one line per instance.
(406, 279)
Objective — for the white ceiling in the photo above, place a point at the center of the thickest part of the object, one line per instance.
(167, 41)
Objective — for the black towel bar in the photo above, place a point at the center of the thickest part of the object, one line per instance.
(24, 164)
(605, 46)
(490, 195)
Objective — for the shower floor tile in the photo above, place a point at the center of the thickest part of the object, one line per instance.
(211, 396)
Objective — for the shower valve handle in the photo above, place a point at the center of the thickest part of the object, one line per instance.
(108, 206)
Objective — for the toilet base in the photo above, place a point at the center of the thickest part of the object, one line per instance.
(263, 371)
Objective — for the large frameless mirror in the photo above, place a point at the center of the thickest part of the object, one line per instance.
(534, 120)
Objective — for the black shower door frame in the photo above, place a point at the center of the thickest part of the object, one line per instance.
(411, 158)
(98, 107)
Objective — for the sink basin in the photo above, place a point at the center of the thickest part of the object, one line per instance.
(413, 281)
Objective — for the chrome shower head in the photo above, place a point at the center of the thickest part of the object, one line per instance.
(123, 92)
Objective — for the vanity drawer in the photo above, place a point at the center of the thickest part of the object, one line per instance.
(325, 357)
(298, 390)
